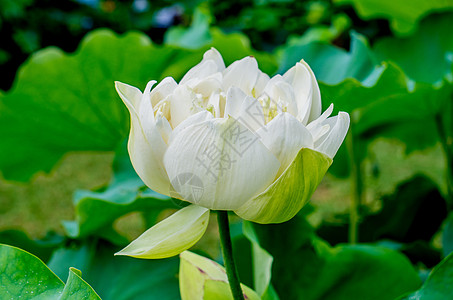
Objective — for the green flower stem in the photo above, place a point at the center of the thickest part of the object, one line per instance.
(227, 251)
(356, 190)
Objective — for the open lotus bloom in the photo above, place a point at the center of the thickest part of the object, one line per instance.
(228, 139)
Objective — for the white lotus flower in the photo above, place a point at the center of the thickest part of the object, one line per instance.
(229, 139)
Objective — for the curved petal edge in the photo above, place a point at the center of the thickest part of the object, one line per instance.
(171, 236)
(290, 192)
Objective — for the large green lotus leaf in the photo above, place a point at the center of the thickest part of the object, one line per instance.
(234, 46)
(376, 96)
(408, 116)
(421, 104)
(77, 288)
(262, 265)
(403, 15)
(425, 56)
(389, 107)
(97, 211)
(67, 102)
(25, 276)
(193, 37)
(305, 267)
(417, 201)
(438, 285)
(119, 278)
(322, 33)
(42, 248)
(355, 83)
(331, 64)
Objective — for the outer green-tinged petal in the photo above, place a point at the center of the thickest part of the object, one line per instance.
(287, 195)
(225, 161)
(171, 236)
(146, 145)
(203, 279)
(284, 136)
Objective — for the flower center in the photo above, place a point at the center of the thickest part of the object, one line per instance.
(271, 107)
(162, 108)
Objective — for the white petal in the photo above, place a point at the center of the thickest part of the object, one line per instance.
(245, 109)
(331, 142)
(318, 128)
(215, 56)
(282, 95)
(208, 85)
(145, 110)
(261, 83)
(284, 136)
(130, 95)
(321, 118)
(251, 114)
(162, 90)
(316, 105)
(242, 74)
(171, 236)
(214, 104)
(197, 118)
(163, 126)
(306, 89)
(227, 161)
(200, 71)
(146, 145)
(182, 104)
(234, 99)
